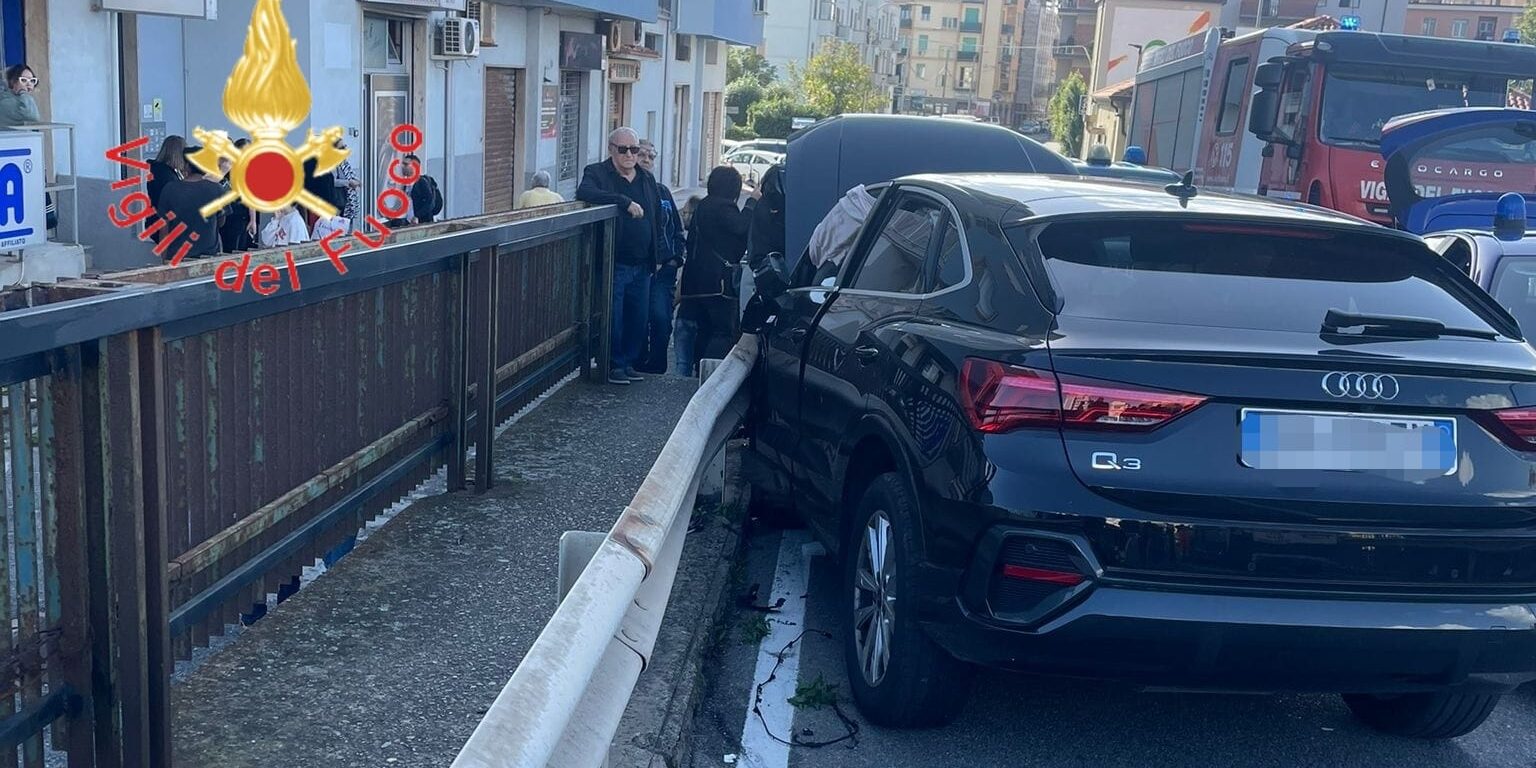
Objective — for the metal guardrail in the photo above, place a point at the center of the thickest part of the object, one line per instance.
(565, 700)
(174, 452)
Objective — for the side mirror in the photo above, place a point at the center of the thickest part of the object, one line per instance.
(1269, 76)
(760, 314)
(768, 276)
(1264, 114)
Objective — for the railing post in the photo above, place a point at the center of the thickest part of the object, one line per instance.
(114, 523)
(71, 567)
(458, 364)
(153, 401)
(485, 373)
(604, 292)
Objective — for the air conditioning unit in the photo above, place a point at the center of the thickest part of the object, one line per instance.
(622, 34)
(457, 38)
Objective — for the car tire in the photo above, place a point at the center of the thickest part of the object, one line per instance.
(915, 684)
(1437, 715)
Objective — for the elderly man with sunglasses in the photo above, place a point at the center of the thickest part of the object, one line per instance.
(638, 246)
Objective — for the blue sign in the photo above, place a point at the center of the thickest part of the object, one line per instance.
(23, 216)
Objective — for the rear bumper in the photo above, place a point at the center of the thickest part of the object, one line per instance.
(1238, 643)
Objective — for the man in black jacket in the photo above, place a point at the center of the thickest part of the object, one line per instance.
(638, 246)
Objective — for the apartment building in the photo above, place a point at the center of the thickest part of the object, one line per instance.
(795, 30)
(1463, 19)
(956, 61)
(501, 89)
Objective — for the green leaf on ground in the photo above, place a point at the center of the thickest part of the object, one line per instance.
(754, 628)
(815, 694)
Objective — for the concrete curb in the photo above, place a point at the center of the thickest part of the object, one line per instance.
(655, 730)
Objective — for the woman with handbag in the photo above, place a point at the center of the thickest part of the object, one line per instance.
(717, 240)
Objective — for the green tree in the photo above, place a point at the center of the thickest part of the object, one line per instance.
(837, 81)
(747, 62)
(740, 95)
(772, 117)
(1065, 118)
(1527, 25)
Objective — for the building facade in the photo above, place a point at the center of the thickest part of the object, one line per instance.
(956, 61)
(794, 30)
(539, 90)
(1467, 20)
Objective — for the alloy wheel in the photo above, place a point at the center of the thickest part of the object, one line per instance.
(874, 599)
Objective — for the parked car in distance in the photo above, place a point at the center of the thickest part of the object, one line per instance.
(1500, 259)
(752, 163)
(1101, 429)
(765, 145)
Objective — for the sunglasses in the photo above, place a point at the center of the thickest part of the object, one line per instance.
(633, 149)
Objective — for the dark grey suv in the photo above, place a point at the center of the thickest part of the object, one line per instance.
(1111, 430)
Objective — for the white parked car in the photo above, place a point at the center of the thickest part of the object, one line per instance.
(752, 163)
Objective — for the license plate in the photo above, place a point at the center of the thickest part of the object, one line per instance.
(1347, 442)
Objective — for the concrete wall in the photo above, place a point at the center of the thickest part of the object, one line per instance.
(82, 89)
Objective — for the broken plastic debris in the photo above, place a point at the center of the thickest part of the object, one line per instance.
(730, 759)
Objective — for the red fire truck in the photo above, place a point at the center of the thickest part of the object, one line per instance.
(1312, 131)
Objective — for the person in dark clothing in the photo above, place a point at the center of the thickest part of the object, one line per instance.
(426, 200)
(322, 186)
(638, 244)
(664, 281)
(186, 197)
(717, 241)
(170, 164)
(238, 233)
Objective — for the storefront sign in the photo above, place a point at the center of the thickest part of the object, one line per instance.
(549, 104)
(581, 50)
(23, 216)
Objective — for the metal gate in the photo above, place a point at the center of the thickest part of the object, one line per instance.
(709, 152)
(500, 137)
(570, 130)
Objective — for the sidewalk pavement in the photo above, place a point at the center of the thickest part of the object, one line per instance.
(392, 657)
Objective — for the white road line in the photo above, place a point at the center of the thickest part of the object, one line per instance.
(791, 579)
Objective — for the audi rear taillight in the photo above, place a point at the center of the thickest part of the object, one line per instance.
(1001, 398)
(1519, 427)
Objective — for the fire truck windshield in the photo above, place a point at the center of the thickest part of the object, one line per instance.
(1359, 99)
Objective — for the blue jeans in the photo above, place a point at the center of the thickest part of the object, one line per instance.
(662, 285)
(686, 337)
(631, 294)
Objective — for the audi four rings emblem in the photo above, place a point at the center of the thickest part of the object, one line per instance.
(1363, 386)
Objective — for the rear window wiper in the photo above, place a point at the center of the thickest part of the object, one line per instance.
(1393, 325)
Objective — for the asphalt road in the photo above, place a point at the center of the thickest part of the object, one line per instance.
(1016, 720)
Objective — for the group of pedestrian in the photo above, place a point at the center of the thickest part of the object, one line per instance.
(666, 260)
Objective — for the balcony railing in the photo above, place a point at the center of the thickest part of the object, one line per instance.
(966, 55)
(970, 26)
(906, 22)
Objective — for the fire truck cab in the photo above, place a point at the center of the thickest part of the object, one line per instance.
(1321, 107)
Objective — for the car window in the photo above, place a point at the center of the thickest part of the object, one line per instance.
(1514, 288)
(895, 261)
(951, 256)
(1226, 275)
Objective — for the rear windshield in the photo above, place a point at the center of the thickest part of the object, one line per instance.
(1222, 275)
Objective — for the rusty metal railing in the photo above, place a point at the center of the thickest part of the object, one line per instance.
(564, 702)
(174, 453)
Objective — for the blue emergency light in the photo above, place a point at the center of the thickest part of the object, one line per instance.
(1511, 35)
(1136, 155)
(1509, 217)
(1349, 23)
